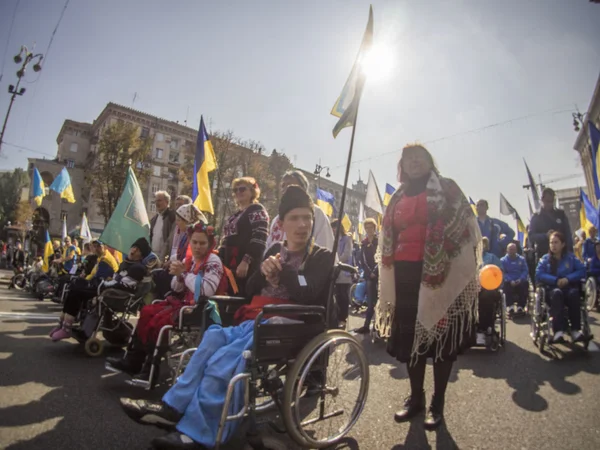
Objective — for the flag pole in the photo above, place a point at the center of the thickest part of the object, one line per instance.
(342, 202)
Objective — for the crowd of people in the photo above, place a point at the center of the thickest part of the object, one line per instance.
(421, 269)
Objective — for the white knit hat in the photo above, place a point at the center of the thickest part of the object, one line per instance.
(191, 214)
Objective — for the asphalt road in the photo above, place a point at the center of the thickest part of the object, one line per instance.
(52, 396)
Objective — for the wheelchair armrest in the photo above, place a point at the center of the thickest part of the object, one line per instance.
(293, 309)
(157, 300)
(347, 268)
(228, 299)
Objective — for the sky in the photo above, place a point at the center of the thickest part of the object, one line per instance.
(482, 83)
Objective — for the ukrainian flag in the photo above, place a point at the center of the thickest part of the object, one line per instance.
(346, 223)
(389, 191)
(325, 201)
(39, 188)
(346, 105)
(48, 252)
(473, 206)
(595, 146)
(588, 216)
(204, 163)
(62, 185)
(521, 231)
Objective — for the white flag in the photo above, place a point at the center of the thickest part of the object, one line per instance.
(373, 199)
(84, 230)
(361, 219)
(64, 229)
(506, 208)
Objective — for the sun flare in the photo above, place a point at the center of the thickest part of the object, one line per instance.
(378, 63)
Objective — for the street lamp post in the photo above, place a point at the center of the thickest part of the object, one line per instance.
(318, 169)
(24, 57)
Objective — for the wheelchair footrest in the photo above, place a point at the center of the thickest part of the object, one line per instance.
(138, 383)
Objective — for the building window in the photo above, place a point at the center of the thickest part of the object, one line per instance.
(158, 153)
(157, 171)
(73, 147)
(145, 132)
(77, 133)
(155, 188)
(63, 215)
(152, 207)
(160, 137)
(84, 211)
(174, 157)
(69, 163)
(174, 144)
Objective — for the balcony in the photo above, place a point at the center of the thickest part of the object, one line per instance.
(174, 160)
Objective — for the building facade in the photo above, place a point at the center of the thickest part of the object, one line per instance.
(569, 201)
(582, 143)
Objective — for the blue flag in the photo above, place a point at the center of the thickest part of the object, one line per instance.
(594, 146)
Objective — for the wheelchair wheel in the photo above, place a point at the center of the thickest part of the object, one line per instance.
(336, 363)
(535, 315)
(591, 293)
(94, 347)
(19, 281)
(119, 337)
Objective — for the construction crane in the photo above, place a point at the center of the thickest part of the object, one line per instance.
(542, 183)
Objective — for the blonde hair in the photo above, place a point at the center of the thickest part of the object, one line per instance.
(251, 183)
(370, 221)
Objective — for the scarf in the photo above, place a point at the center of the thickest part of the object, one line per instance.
(449, 281)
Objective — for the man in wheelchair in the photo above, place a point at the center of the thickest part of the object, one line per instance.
(516, 286)
(488, 300)
(560, 274)
(199, 276)
(294, 272)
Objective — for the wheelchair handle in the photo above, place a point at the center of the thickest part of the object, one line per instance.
(293, 309)
(347, 268)
(226, 298)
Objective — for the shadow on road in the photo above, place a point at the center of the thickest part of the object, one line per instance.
(526, 371)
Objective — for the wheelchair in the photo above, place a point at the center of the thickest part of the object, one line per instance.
(541, 321)
(109, 312)
(591, 293)
(177, 343)
(497, 338)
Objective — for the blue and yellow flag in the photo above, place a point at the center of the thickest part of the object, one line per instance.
(204, 163)
(473, 205)
(521, 231)
(129, 220)
(48, 252)
(387, 196)
(346, 223)
(39, 188)
(595, 146)
(62, 185)
(325, 201)
(346, 106)
(588, 215)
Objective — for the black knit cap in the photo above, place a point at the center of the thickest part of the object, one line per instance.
(143, 245)
(294, 197)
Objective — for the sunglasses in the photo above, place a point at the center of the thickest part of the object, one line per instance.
(240, 189)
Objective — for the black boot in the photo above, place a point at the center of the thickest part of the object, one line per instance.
(150, 413)
(413, 405)
(132, 362)
(146, 368)
(435, 414)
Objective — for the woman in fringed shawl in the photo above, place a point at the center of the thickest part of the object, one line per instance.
(429, 251)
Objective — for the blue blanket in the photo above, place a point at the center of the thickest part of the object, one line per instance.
(200, 391)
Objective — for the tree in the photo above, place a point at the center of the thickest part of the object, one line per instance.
(11, 187)
(23, 214)
(118, 144)
(279, 164)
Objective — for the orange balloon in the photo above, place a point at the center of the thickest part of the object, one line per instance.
(490, 277)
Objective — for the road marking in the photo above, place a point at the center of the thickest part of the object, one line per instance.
(34, 316)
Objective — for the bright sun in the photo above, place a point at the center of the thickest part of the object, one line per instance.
(378, 63)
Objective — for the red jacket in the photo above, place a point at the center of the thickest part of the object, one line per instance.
(410, 227)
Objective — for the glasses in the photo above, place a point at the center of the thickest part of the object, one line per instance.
(240, 189)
